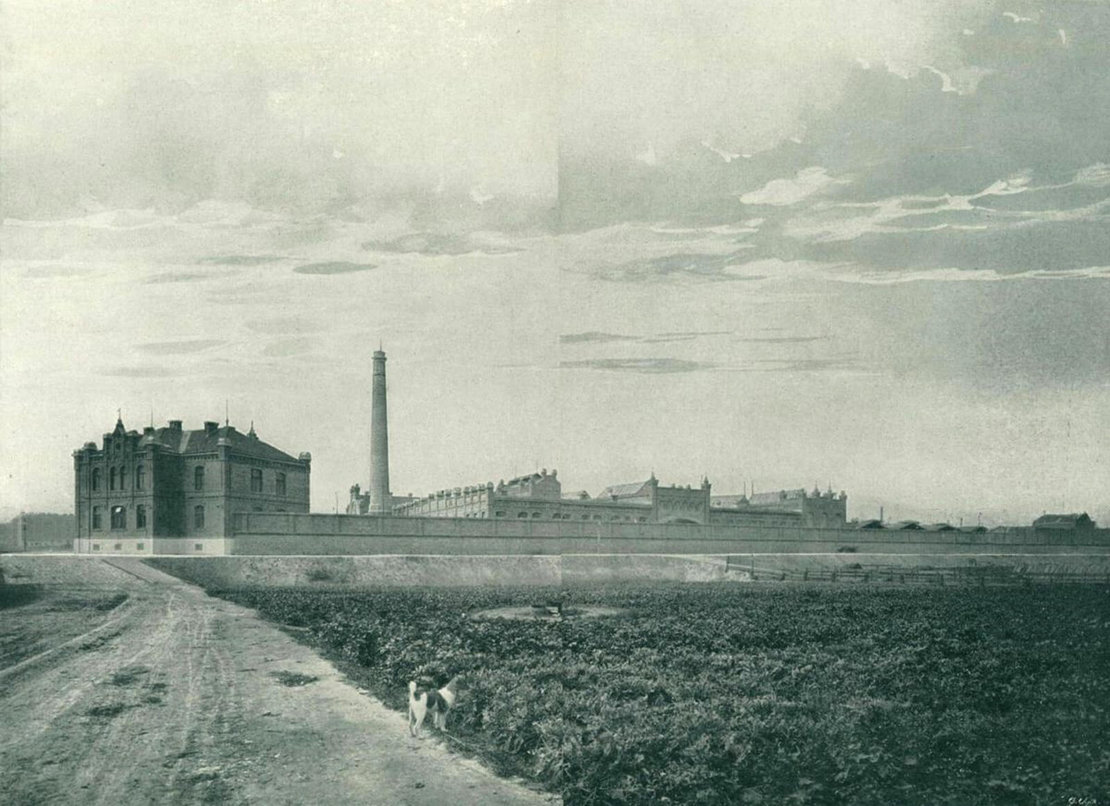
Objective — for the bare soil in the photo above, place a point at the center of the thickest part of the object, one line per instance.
(171, 696)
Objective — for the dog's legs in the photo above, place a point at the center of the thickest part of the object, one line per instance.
(416, 719)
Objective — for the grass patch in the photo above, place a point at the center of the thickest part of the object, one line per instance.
(129, 675)
(19, 595)
(294, 679)
(105, 712)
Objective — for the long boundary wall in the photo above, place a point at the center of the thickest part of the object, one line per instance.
(361, 572)
(295, 533)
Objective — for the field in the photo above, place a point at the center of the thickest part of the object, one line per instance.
(759, 693)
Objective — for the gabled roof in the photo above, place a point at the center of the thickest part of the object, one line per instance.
(939, 527)
(873, 523)
(906, 525)
(201, 441)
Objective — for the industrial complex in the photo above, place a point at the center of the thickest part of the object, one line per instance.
(217, 490)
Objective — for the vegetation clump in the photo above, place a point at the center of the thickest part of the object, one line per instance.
(808, 693)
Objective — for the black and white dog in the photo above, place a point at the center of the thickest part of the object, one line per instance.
(437, 701)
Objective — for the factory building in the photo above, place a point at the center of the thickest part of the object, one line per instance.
(176, 484)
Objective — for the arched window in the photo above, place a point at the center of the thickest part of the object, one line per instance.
(535, 514)
(198, 516)
(256, 480)
(522, 514)
(112, 479)
(140, 517)
(198, 477)
(279, 483)
(97, 519)
(123, 478)
(96, 479)
(119, 518)
(140, 477)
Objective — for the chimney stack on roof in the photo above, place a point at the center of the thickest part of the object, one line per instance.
(175, 425)
(211, 426)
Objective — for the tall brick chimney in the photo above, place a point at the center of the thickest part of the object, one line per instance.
(380, 497)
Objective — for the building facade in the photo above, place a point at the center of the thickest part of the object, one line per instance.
(179, 487)
(539, 496)
(814, 510)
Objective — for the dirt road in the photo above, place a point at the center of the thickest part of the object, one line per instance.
(176, 697)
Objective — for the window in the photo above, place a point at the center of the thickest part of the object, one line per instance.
(119, 546)
(198, 517)
(96, 479)
(96, 547)
(499, 514)
(256, 481)
(198, 478)
(140, 517)
(112, 479)
(535, 514)
(119, 518)
(138, 547)
(279, 483)
(522, 514)
(140, 477)
(198, 547)
(97, 524)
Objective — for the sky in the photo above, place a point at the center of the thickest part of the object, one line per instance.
(862, 244)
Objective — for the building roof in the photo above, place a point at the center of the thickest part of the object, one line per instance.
(939, 527)
(201, 440)
(764, 499)
(637, 489)
(906, 525)
(1071, 520)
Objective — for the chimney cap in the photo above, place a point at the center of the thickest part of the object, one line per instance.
(175, 425)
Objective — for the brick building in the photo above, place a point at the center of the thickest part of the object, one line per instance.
(539, 496)
(179, 489)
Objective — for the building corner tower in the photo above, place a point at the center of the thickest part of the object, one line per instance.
(380, 497)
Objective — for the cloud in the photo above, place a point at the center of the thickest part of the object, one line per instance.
(430, 243)
(694, 265)
(49, 272)
(179, 347)
(333, 267)
(649, 366)
(176, 277)
(284, 348)
(781, 339)
(241, 260)
(140, 372)
(593, 337)
(283, 325)
(780, 192)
